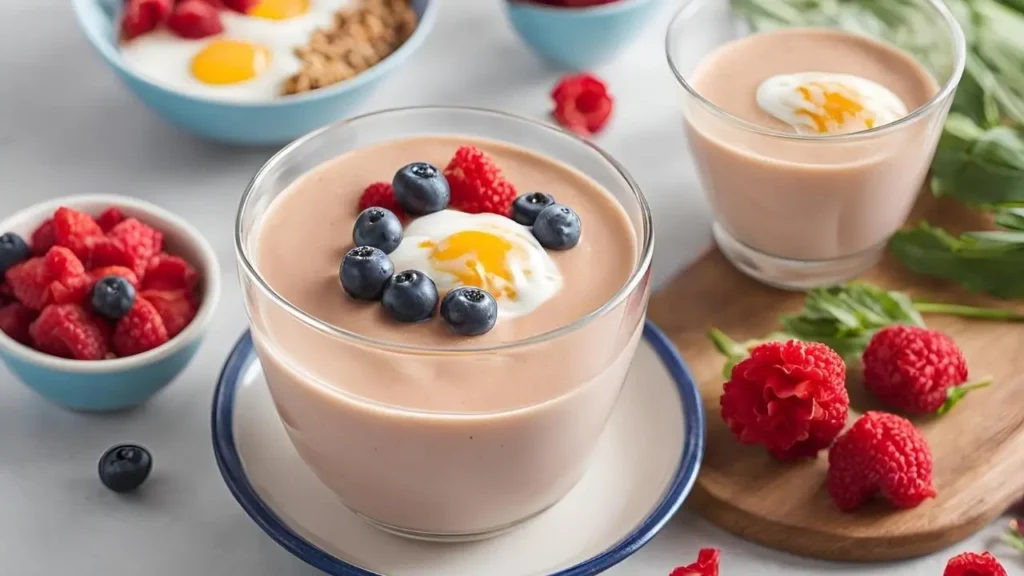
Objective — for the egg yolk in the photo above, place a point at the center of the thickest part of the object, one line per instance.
(279, 9)
(832, 107)
(230, 62)
(477, 259)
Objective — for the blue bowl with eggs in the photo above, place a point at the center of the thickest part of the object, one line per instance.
(266, 122)
(581, 38)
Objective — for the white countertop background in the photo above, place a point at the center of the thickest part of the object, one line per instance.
(67, 126)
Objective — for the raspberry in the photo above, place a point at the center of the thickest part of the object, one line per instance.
(166, 272)
(582, 104)
(788, 396)
(916, 370)
(58, 277)
(6, 292)
(15, 320)
(195, 19)
(142, 16)
(242, 6)
(109, 218)
(44, 238)
(381, 195)
(127, 274)
(706, 564)
(881, 453)
(477, 184)
(140, 330)
(139, 243)
(30, 282)
(175, 307)
(70, 331)
(74, 229)
(972, 564)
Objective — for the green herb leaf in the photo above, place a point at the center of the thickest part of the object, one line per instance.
(979, 167)
(954, 394)
(1012, 219)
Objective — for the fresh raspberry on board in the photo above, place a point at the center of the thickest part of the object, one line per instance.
(195, 19)
(972, 564)
(477, 184)
(126, 273)
(381, 195)
(142, 16)
(140, 330)
(789, 397)
(176, 308)
(44, 237)
(880, 454)
(582, 104)
(139, 243)
(15, 319)
(109, 218)
(916, 370)
(74, 230)
(706, 564)
(70, 331)
(166, 272)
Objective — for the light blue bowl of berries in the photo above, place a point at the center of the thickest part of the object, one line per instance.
(271, 120)
(104, 299)
(580, 34)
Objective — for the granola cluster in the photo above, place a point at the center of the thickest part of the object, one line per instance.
(360, 38)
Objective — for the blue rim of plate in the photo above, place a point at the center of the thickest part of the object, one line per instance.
(231, 468)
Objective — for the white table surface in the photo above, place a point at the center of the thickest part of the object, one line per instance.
(67, 127)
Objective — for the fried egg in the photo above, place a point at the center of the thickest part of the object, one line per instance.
(249, 61)
(487, 251)
(822, 103)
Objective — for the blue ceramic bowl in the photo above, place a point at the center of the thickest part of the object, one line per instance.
(272, 122)
(122, 382)
(581, 38)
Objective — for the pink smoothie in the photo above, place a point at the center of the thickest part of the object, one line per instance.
(414, 427)
(815, 198)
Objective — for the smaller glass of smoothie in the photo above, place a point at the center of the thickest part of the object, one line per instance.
(421, 429)
(811, 143)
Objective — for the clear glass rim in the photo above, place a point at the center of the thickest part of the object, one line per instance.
(639, 269)
(960, 59)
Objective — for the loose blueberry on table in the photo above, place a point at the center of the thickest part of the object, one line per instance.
(410, 296)
(421, 189)
(527, 207)
(469, 311)
(125, 467)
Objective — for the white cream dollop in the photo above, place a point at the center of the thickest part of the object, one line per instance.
(823, 103)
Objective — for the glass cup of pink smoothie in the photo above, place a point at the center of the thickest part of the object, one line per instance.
(809, 201)
(378, 421)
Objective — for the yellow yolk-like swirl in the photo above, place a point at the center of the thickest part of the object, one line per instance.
(476, 259)
(834, 108)
(279, 9)
(230, 62)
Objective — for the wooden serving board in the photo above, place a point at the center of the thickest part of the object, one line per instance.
(978, 447)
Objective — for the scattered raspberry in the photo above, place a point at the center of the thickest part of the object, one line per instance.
(971, 564)
(706, 564)
(74, 229)
(176, 308)
(44, 238)
(70, 331)
(142, 16)
(166, 272)
(109, 218)
(916, 370)
(881, 453)
(477, 183)
(138, 241)
(381, 195)
(789, 397)
(15, 320)
(195, 19)
(242, 6)
(127, 274)
(582, 104)
(140, 330)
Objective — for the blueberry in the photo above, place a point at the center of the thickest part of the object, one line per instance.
(112, 297)
(469, 311)
(410, 296)
(378, 227)
(421, 188)
(13, 249)
(364, 271)
(557, 227)
(527, 207)
(125, 467)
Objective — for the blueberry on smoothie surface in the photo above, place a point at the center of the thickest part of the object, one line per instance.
(469, 311)
(125, 467)
(364, 272)
(410, 296)
(527, 207)
(112, 297)
(557, 227)
(378, 227)
(421, 188)
(13, 250)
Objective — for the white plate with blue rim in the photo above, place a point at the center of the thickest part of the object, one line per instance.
(642, 470)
